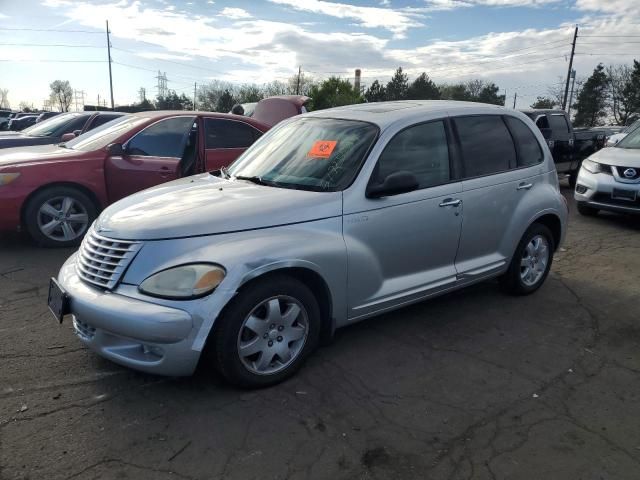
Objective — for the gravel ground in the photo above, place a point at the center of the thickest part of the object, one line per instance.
(474, 384)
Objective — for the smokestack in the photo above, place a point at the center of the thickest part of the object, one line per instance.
(356, 83)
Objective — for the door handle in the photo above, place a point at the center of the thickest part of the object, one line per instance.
(450, 202)
(524, 186)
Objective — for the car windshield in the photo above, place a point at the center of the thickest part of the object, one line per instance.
(319, 154)
(49, 126)
(632, 127)
(105, 134)
(631, 141)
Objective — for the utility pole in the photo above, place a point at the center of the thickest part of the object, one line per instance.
(143, 94)
(298, 84)
(515, 97)
(573, 82)
(566, 87)
(109, 55)
(195, 88)
(98, 101)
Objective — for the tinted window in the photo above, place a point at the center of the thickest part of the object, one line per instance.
(421, 150)
(559, 123)
(166, 138)
(486, 144)
(229, 134)
(542, 122)
(102, 119)
(529, 151)
(76, 124)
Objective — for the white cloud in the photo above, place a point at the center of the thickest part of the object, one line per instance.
(397, 20)
(234, 13)
(612, 6)
(453, 4)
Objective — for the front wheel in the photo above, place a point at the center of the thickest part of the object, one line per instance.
(266, 331)
(531, 261)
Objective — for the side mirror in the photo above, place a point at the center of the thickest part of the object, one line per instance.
(77, 132)
(546, 133)
(397, 182)
(115, 150)
(66, 137)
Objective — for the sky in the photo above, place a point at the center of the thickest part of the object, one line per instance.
(521, 45)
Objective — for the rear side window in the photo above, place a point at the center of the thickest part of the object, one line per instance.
(486, 145)
(229, 134)
(101, 120)
(77, 124)
(529, 151)
(559, 123)
(422, 150)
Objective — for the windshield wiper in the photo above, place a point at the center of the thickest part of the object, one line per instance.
(255, 179)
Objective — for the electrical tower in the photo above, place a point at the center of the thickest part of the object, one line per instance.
(162, 84)
(143, 94)
(4, 98)
(79, 94)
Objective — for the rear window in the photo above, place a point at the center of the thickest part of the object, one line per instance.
(559, 123)
(486, 145)
(529, 151)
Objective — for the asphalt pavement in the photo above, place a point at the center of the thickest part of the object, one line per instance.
(472, 385)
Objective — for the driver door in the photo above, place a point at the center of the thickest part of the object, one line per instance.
(151, 157)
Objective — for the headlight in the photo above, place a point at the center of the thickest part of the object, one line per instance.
(184, 282)
(591, 166)
(7, 178)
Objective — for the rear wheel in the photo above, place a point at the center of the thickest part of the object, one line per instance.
(266, 332)
(59, 216)
(531, 261)
(586, 210)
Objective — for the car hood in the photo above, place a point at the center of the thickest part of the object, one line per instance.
(207, 205)
(35, 153)
(619, 157)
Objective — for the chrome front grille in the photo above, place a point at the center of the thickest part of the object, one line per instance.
(102, 261)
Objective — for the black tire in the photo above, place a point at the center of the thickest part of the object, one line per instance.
(34, 204)
(573, 177)
(226, 355)
(511, 282)
(586, 210)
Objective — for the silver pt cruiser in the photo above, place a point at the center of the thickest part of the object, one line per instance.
(330, 218)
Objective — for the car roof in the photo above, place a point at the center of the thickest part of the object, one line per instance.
(156, 114)
(384, 114)
(542, 110)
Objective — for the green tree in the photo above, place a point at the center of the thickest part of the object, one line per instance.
(456, 91)
(423, 88)
(333, 92)
(398, 86)
(544, 102)
(61, 94)
(592, 99)
(225, 102)
(173, 101)
(631, 91)
(489, 94)
(301, 88)
(375, 92)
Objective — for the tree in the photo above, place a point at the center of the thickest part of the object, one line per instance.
(398, 86)
(423, 88)
(61, 94)
(26, 107)
(249, 94)
(173, 101)
(333, 92)
(275, 88)
(375, 92)
(631, 92)
(225, 102)
(592, 99)
(306, 82)
(544, 102)
(489, 94)
(456, 91)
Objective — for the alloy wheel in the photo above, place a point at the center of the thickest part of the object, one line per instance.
(62, 219)
(535, 259)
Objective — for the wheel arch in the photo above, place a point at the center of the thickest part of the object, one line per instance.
(554, 224)
(87, 191)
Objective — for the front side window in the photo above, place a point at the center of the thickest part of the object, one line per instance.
(320, 154)
(166, 138)
(529, 151)
(229, 134)
(422, 150)
(486, 145)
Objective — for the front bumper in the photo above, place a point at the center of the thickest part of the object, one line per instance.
(599, 188)
(141, 335)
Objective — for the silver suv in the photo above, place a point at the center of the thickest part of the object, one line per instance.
(332, 217)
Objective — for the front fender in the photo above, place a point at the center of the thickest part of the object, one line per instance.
(316, 246)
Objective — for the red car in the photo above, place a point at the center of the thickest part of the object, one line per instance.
(56, 191)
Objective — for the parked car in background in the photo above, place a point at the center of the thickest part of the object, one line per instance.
(20, 122)
(46, 116)
(5, 115)
(57, 129)
(612, 140)
(55, 191)
(330, 218)
(568, 146)
(610, 179)
(272, 110)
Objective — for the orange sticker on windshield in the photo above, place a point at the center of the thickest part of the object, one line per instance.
(322, 148)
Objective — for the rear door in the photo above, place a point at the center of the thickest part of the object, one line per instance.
(563, 141)
(493, 185)
(226, 140)
(151, 157)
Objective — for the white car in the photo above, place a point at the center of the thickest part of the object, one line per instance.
(610, 178)
(614, 139)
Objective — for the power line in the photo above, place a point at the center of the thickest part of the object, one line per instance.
(48, 30)
(66, 45)
(171, 61)
(609, 36)
(49, 61)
